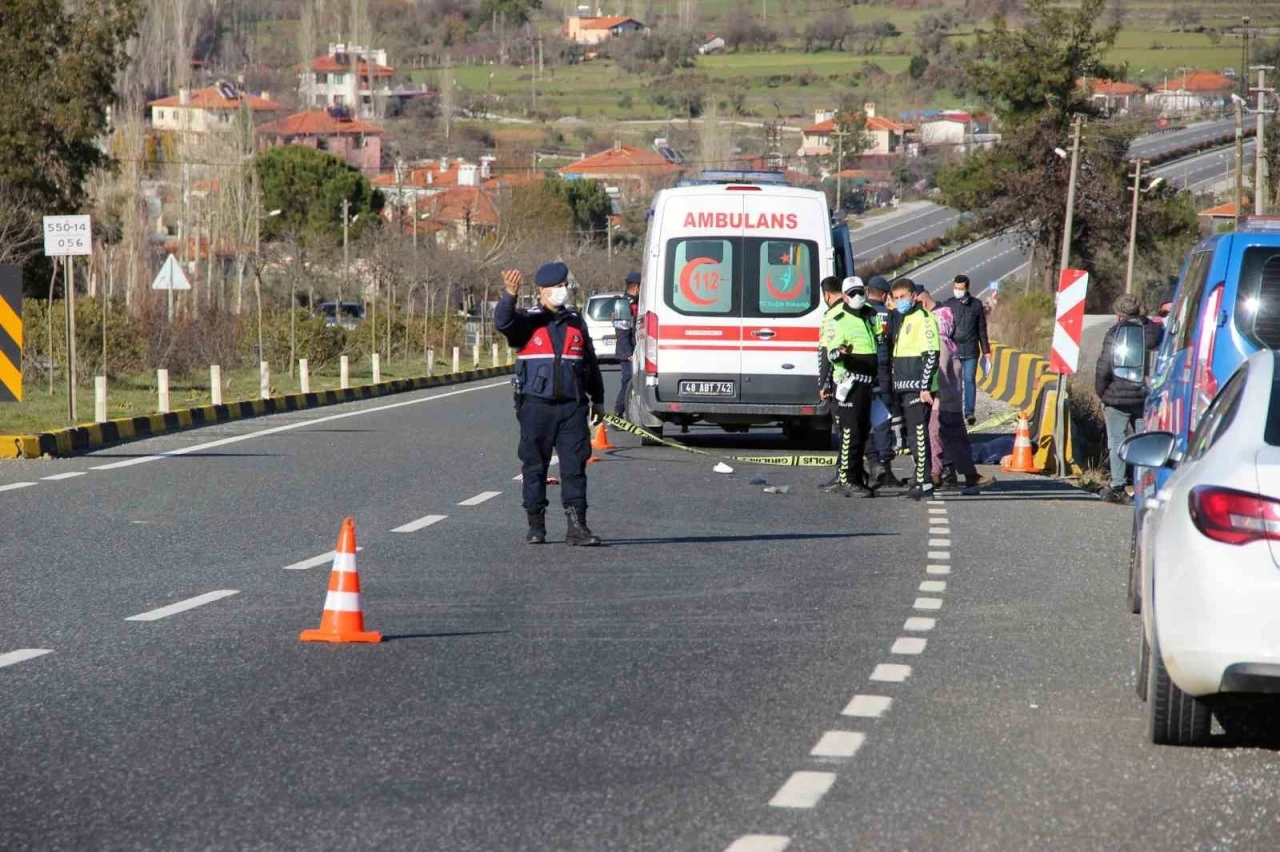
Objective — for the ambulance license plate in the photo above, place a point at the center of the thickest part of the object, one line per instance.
(706, 388)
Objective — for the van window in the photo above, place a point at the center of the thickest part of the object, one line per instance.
(1185, 316)
(702, 276)
(1258, 297)
(603, 308)
(782, 276)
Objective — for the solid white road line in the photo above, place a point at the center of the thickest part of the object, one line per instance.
(22, 655)
(759, 843)
(890, 673)
(289, 427)
(183, 606)
(908, 646)
(937, 569)
(803, 790)
(315, 561)
(421, 523)
(933, 586)
(868, 706)
(838, 744)
(14, 486)
(58, 477)
(919, 624)
(928, 603)
(940, 555)
(939, 542)
(482, 497)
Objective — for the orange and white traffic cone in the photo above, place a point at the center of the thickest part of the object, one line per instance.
(601, 439)
(343, 620)
(1023, 458)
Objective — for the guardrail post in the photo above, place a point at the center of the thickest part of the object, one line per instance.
(344, 372)
(215, 384)
(475, 356)
(431, 362)
(494, 359)
(264, 379)
(377, 368)
(162, 383)
(304, 375)
(456, 359)
(100, 399)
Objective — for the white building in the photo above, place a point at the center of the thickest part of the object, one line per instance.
(210, 109)
(349, 76)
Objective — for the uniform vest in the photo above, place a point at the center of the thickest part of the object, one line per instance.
(550, 365)
(915, 353)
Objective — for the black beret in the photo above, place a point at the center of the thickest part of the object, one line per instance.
(551, 275)
(633, 277)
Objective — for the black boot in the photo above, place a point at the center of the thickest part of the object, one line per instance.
(537, 526)
(577, 535)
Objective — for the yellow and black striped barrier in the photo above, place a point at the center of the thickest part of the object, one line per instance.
(1023, 380)
(779, 460)
(10, 333)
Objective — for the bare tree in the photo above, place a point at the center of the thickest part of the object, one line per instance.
(19, 228)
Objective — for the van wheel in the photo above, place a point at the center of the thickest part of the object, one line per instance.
(1175, 718)
(656, 431)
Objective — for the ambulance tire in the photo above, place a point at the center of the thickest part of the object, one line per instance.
(818, 439)
(802, 435)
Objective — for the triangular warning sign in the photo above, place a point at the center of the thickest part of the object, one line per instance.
(171, 276)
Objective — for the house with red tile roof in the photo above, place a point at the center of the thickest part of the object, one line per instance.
(1198, 91)
(356, 143)
(883, 135)
(1114, 96)
(461, 214)
(352, 77)
(594, 30)
(213, 108)
(630, 169)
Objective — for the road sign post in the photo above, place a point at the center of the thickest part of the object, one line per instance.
(1064, 358)
(68, 237)
(170, 278)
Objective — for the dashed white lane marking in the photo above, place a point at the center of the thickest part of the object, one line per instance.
(183, 606)
(421, 523)
(22, 655)
(759, 843)
(519, 477)
(940, 555)
(289, 427)
(920, 624)
(838, 744)
(868, 706)
(939, 542)
(57, 477)
(14, 486)
(937, 503)
(891, 673)
(908, 646)
(480, 498)
(928, 603)
(933, 586)
(803, 790)
(314, 562)
(937, 511)
(937, 569)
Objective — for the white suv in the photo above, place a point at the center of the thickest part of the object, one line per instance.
(600, 312)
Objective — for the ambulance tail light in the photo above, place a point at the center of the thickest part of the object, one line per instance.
(651, 343)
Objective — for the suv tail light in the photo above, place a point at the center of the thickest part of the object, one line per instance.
(1206, 384)
(651, 343)
(1234, 517)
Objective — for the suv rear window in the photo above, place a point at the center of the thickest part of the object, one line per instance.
(602, 308)
(1258, 297)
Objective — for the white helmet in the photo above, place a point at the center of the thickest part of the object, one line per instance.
(852, 283)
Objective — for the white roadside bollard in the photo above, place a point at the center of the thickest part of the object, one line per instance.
(475, 356)
(304, 375)
(456, 359)
(100, 399)
(264, 379)
(162, 383)
(377, 368)
(431, 362)
(215, 384)
(494, 358)
(344, 372)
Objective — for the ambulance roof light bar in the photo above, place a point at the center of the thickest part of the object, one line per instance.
(747, 176)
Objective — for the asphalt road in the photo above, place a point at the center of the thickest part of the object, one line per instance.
(1153, 144)
(1213, 170)
(896, 232)
(734, 666)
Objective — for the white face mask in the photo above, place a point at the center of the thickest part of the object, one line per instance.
(557, 296)
(960, 294)
(856, 302)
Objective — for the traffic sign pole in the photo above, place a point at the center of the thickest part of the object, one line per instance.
(69, 295)
(1059, 426)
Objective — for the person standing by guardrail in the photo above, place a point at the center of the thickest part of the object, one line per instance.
(1123, 391)
(971, 339)
(947, 433)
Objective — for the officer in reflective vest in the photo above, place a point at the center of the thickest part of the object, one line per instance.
(852, 360)
(556, 374)
(915, 377)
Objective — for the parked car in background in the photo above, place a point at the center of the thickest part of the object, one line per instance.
(600, 311)
(1210, 561)
(348, 317)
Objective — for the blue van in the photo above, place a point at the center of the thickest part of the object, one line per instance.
(1226, 307)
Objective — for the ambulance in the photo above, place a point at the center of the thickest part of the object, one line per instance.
(730, 304)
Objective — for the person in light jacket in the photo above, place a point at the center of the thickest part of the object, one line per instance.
(949, 438)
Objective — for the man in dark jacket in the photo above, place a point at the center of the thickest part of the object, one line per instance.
(626, 345)
(1123, 399)
(971, 340)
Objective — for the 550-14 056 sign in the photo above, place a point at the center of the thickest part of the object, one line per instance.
(67, 235)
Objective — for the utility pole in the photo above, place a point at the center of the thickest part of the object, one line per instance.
(1239, 103)
(1060, 423)
(840, 134)
(1133, 223)
(346, 257)
(1260, 177)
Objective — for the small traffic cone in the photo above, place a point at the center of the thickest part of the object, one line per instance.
(343, 620)
(1023, 459)
(601, 439)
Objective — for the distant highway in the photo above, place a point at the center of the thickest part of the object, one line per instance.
(1154, 144)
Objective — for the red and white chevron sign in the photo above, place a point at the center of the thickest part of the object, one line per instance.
(1072, 288)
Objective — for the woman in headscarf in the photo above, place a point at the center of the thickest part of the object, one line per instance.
(948, 436)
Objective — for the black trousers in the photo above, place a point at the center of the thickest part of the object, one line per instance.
(853, 417)
(559, 427)
(916, 415)
(620, 405)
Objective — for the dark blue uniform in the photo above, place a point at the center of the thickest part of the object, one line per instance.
(557, 379)
(626, 351)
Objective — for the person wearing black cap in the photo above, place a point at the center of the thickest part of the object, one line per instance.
(882, 451)
(626, 345)
(556, 374)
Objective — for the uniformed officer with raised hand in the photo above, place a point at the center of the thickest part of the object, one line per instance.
(556, 374)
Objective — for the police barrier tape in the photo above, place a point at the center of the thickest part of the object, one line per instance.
(780, 460)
